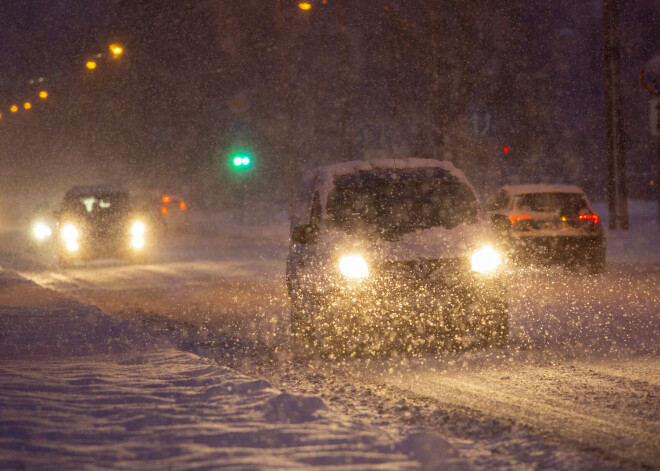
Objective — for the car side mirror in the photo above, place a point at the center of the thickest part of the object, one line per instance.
(305, 234)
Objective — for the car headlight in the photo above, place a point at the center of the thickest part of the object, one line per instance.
(353, 266)
(138, 228)
(69, 233)
(41, 231)
(486, 260)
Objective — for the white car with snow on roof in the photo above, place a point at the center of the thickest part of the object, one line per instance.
(549, 224)
(390, 251)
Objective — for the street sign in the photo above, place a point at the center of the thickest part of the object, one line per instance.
(654, 116)
(480, 124)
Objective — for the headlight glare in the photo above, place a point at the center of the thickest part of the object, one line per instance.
(138, 228)
(69, 233)
(137, 242)
(353, 266)
(486, 260)
(41, 231)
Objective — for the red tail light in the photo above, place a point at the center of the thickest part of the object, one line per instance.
(163, 210)
(593, 217)
(515, 218)
(182, 205)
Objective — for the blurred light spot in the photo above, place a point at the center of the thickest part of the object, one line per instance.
(116, 49)
(138, 228)
(353, 266)
(27, 105)
(305, 6)
(166, 199)
(43, 94)
(91, 65)
(41, 231)
(182, 205)
(163, 210)
(13, 108)
(137, 242)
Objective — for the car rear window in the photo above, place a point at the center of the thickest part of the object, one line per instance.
(565, 203)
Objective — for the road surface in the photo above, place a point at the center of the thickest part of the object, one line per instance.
(579, 386)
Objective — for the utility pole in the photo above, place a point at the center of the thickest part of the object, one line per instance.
(617, 188)
(344, 84)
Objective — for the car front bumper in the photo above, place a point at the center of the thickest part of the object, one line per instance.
(386, 307)
(555, 249)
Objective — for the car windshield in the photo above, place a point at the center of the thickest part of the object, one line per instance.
(96, 205)
(395, 203)
(564, 203)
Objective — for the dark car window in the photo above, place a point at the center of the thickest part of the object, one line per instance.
(499, 202)
(394, 204)
(568, 204)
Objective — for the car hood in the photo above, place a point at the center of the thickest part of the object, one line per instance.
(434, 243)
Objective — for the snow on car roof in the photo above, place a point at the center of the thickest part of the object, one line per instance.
(323, 178)
(96, 189)
(328, 173)
(542, 188)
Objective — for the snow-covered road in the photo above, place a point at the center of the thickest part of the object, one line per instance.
(578, 388)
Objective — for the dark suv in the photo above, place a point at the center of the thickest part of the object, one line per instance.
(391, 251)
(98, 222)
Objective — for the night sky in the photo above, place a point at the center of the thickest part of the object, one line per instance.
(201, 77)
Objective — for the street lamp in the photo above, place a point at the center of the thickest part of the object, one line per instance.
(116, 50)
(43, 94)
(91, 65)
(305, 6)
(13, 108)
(27, 105)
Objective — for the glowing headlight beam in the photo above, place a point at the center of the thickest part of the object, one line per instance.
(72, 246)
(41, 231)
(353, 266)
(138, 228)
(486, 260)
(137, 242)
(69, 233)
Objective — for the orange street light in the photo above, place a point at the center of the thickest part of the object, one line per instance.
(43, 94)
(13, 108)
(27, 105)
(91, 65)
(116, 50)
(305, 6)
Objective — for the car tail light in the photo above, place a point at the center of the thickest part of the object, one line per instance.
(593, 217)
(515, 218)
(166, 199)
(163, 210)
(182, 205)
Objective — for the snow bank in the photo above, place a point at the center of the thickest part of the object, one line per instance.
(81, 390)
(641, 242)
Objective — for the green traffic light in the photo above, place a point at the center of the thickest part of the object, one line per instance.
(242, 160)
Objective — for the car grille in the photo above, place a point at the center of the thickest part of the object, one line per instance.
(446, 271)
